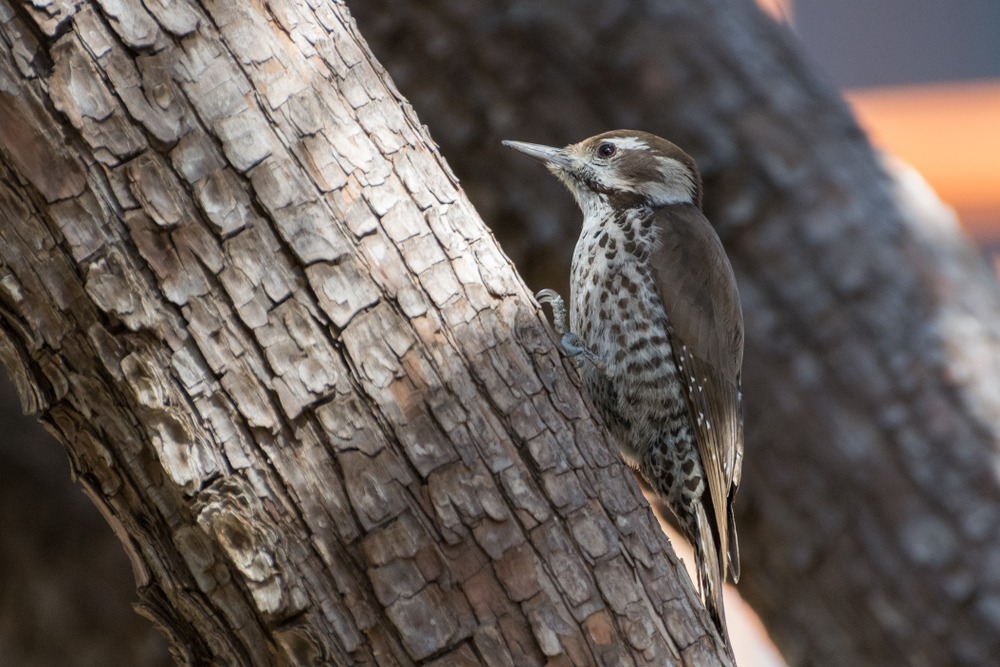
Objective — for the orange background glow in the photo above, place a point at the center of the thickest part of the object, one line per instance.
(950, 133)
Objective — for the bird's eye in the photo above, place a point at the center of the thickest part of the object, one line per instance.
(606, 150)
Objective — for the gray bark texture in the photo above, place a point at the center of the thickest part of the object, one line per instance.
(289, 364)
(870, 504)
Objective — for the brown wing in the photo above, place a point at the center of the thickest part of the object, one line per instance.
(699, 295)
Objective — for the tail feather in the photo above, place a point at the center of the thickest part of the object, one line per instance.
(708, 562)
(734, 548)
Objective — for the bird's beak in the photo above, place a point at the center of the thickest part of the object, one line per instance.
(555, 157)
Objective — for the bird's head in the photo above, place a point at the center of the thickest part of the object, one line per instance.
(623, 169)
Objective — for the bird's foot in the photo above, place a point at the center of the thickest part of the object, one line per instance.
(572, 345)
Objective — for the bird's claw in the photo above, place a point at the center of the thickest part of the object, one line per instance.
(571, 344)
(551, 297)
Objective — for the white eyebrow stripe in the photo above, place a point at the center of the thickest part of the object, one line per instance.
(630, 142)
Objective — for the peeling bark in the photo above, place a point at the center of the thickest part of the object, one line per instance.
(870, 502)
(297, 376)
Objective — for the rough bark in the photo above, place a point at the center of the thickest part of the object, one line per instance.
(289, 365)
(870, 503)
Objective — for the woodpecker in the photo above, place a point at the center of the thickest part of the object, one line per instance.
(655, 314)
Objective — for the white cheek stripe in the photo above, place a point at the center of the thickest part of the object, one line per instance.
(672, 170)
(662, 194)
(676, 187)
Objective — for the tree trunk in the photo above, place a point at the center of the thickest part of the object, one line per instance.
(870, 504)
(290, 366)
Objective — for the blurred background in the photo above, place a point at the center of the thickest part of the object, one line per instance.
(923, 77)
